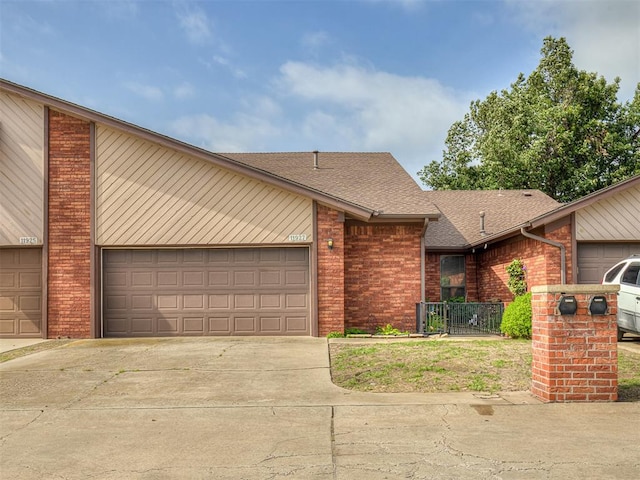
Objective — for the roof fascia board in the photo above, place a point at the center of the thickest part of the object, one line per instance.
(165, 141)
(456, 249)
(404, 218)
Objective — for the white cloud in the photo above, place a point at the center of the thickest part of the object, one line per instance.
(148, 92)
(605, 35)
(315, 40)
(184, 90)
(342, 107)
(257, 122)
(370, 110)
(120, 9)
(196, 25)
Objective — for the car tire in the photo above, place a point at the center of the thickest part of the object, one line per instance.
(620, 334)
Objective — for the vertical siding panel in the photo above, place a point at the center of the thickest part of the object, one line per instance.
(21, 169)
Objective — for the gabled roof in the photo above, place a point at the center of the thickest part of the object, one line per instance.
(366, 186)
(585, 201)
(504, 211)
(372, 180)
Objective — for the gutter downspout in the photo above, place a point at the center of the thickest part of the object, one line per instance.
(563, 252)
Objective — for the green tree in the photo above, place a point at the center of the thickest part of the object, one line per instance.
(560, 130)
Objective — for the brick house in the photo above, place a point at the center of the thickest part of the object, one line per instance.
(111, 230)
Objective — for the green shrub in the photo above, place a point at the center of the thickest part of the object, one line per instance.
(389, 329)
(355, 331)
(335, 335)
(516, 320)
(517, 277)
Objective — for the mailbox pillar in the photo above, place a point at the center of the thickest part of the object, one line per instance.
(575, 356)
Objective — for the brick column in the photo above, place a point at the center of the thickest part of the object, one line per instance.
(330, 271)
(575, 357)
(69, 283)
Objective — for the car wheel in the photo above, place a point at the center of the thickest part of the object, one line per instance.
(620, 334)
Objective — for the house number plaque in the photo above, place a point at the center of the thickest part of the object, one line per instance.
(28, 240)
(298, 237)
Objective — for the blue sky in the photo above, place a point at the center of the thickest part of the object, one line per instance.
(301, 75)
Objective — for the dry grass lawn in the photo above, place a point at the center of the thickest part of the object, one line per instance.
(438, 366)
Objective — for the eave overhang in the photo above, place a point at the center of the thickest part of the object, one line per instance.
(350, 208)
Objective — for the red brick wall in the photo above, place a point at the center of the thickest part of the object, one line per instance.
(382, 275)
(432, 277)
(541, 260)
(69, 282)
(330, 271)
(575, 357)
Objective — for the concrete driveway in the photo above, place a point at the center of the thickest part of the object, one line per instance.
(245, 408)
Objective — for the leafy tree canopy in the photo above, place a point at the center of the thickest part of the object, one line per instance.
(560, 130)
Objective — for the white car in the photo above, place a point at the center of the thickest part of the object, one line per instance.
(626, 274)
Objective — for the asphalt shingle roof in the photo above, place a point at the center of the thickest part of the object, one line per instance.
(504, 210)
(371, 180)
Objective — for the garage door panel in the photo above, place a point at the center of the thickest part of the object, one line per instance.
(193, 302)
(175, 292)
(141, 302)
(241, 301)
(296, 277)
(21, 292)
(167, 325)
(296, 324)
(30, 325)
(8, 279)
(244, 279)
(219, 279)
(167, 279)
(271, 278)
(30, 303)
(167, 257)
(168, 302)
(141, 279)
(220, 325)
(271, 324)
(245, 324)
(270, 300)
(270, 255)
(221, 301)
(115, 302)
(194, 325)
(296, 301)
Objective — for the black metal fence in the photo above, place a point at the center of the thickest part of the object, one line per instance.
(459, 318)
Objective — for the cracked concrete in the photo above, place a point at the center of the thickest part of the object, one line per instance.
(245, 408)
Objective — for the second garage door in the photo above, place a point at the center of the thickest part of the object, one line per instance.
(249, 291)
(20, 292)
(594, 259)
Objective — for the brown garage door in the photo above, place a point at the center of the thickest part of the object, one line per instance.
(20, 292)
(594, 259)
(248, 291)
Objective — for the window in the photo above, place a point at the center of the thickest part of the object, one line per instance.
(630, 275)
(453, 278)
(611, 275)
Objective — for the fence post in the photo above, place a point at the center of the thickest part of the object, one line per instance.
(419, 317)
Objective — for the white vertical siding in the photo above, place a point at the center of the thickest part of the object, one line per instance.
(614, 218)
(147, 194)
(21, 169)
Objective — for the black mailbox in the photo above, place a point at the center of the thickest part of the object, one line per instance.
(598, 305)
(567, 305)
